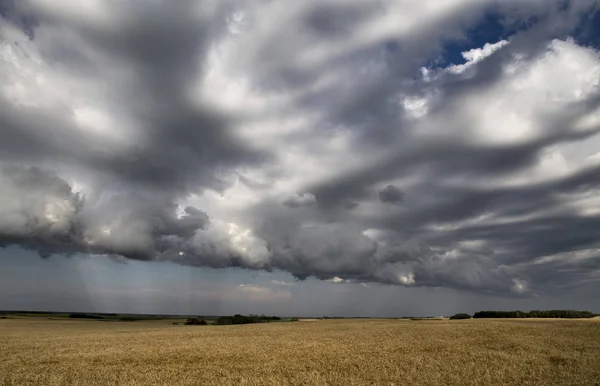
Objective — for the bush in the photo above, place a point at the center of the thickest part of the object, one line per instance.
(224, 320)
(195, 322)
(460, 316)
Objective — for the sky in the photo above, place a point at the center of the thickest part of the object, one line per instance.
(314, 158)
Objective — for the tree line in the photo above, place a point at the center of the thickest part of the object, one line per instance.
(242, 319)
(84, 316)
(535, 314)
(235, 319)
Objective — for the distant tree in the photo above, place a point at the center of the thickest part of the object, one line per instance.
(460, 316)
(224, 320)
(195, 322)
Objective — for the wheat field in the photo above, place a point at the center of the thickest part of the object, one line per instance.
(37, 351)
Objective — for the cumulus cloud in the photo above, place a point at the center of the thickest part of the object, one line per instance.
(41, 211)
(176, 132)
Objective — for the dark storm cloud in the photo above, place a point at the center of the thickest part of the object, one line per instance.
(161, 46)
(391, 194)
(299, 200)
(325, 250)
(11, 13)
(446, 156)
(345, 73)
(41, 212)
(27, 216)
(539, 225)
(329, 20)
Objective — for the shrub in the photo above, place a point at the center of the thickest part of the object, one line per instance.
(460, 316)
(195, 322)
(224, 320)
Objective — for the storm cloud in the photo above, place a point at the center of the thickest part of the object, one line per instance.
(328, 139)
(391, 194)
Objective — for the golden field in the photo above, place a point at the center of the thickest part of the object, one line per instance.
(38, 351)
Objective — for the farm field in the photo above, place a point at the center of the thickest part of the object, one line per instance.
(39, 351)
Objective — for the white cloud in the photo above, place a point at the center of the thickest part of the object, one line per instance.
(519, 286)
(407, 278)
(283, 283)
(476, 55)
(225, 240)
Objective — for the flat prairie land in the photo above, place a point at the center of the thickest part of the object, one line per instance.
(38, 351)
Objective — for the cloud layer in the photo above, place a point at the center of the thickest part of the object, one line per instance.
(325, 138)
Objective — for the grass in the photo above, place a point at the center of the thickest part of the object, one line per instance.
(38, 351)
